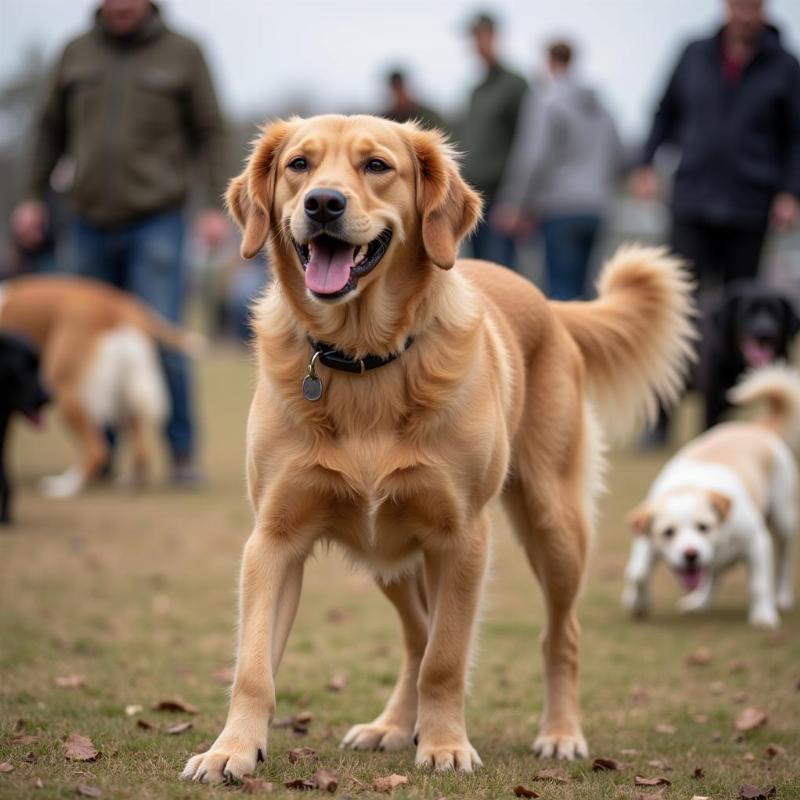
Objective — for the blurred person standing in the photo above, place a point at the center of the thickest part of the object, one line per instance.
(732, 106)
(487, 134)
(561, 174)
(133, 104)
(403, 106)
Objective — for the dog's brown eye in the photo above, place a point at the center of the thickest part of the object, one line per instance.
(377, 165)
(298, 164)
(669, 533)
(702, 527)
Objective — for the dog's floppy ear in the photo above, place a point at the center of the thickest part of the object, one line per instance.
(721, 504)
(249, 195)
(449, 208)
(640, 519)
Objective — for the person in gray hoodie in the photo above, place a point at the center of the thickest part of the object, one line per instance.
(561, 174)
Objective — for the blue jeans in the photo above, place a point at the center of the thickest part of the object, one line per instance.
(489, 245)
(145, 258)
(568, 245)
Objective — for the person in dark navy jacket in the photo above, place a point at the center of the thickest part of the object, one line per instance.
(732, 107)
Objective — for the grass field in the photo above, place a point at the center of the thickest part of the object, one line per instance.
(136, 592)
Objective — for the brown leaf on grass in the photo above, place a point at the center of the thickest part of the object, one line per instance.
(29, 757)
(557, 774)
(665, 728)
(176, 704)
(301, 783)
(700, 657)
(640, 780)
(698, 773)
(749, 757)
(19, 725)
(749, 718)
(133, 709)
(79, 748)
(25, 738)
(658, 764)
(610, 764)
(146, 725)
(750, 792)
(774, 750)
(6, 767)
(699, 797)
(223, 675)
(388, 783)
(297, 722)
(301, 754)
(522, 791)
(74, 681)
(326, 780)
(84, 790)
(181, 727)
(38, 783)
(338, 682)
(256, 785)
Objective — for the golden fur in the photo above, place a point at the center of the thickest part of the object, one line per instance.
(397, 465)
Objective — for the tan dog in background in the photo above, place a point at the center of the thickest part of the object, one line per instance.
(397, 465)
(99, 359)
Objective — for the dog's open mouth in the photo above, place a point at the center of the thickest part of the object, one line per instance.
(333, 267)
(757, 352)
(691, 577)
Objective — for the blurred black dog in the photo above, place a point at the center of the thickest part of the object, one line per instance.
(750, 325)
(20, 390)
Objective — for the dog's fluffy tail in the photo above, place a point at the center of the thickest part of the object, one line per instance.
(777, 386)
(637, 338)
(165, 332)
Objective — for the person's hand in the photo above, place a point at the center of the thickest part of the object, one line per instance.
(212, 227)
(785, 211)
(645, 184)
(29, 224)
(510, 220)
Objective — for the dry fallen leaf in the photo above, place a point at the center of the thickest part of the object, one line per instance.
(700, 657)
(133, 709)
(659, 764)
(256, 785)
(29, 757)
(79, 748)
(301, 754)
(774, 750)
(38, 783)
(176, 704)
(301, 783)
(699, 797)
(297, 722)
(89, 791)
(522, 791)
(338, 682)
(25, 738)
(666, 728)
(19, 725)
(558, 775)
(640, 780)
(389, 783)
(749, 757)
(750, 792)
(600, 764)
(181, 727)
(326, 780)
(698, 773)
(74, 681)
(6, 767)
(145, 725)
(749, 718)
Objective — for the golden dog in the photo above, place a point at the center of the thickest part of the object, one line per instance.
(471, 383)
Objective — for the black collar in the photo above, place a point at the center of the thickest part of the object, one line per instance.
(336, 359)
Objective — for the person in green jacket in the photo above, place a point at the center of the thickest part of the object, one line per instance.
(132, 103)
(487, 135)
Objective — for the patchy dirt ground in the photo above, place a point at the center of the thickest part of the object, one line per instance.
(132, 597)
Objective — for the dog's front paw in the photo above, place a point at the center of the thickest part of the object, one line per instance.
(67, 484)
(566, 746)
(785, 598)
(696, 601)
(764, 617)
(229, 759)
(378, 736)
(635, 600)
(459, 755)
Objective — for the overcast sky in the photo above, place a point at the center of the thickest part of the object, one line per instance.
(334, 54)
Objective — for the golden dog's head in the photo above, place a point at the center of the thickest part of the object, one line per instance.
(350, 203)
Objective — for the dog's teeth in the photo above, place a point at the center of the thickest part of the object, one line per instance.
(361, 253)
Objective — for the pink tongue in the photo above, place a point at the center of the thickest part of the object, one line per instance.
(690, 579)
(755, 354)
(328, 270)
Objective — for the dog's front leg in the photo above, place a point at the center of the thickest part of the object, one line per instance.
(454, 576)
(636, 596)
(271, 578)
(763, 612)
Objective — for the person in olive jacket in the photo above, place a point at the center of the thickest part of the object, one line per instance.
(732, 107)
(133, 104)
(487, 135)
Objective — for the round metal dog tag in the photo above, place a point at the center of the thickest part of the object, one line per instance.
(312, 387)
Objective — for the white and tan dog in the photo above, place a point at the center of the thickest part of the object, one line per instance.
(717, 501)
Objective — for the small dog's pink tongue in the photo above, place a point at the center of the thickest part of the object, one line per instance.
(328, 269)
(757, 354)
(691, 578)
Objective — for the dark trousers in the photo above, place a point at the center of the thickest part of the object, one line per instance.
(569, 242)
(145, 258)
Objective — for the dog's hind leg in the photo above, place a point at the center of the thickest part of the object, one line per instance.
(783, 523)
(393, 729)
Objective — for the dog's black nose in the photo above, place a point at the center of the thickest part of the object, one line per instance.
(690, 556)
(325, 205)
